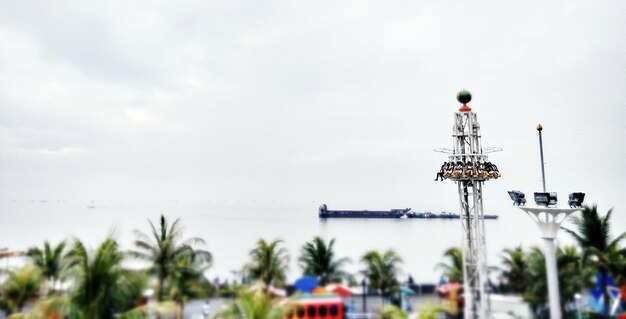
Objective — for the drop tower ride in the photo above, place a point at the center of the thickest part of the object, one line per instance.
(469, 167)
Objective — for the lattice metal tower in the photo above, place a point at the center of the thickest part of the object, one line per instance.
(469, 167)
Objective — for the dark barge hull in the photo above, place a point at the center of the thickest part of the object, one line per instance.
(393, 213)
(442, 216)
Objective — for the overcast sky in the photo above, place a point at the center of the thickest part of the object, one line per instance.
(332, 101)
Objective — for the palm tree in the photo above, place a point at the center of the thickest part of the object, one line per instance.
(187, 280)
(572, 277)
(164, 248)
(20, 286)
(536, 293)
(620, 265)
(599, 248)
(51, 261)
(454, 269)
(515, 270)
(382, 270)
(269, 262)
(103, 286)
(255, 305)
(318, 259)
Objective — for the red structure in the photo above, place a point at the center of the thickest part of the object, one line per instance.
(316, 307)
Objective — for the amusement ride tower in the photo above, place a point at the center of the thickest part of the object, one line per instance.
(469, 167)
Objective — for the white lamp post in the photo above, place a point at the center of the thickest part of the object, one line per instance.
(548, 219)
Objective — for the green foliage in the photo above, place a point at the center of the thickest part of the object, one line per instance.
(382, 270)
(166, 309)
(392, 312)
(103, 287)
(167, 252)
(97, 275)
(515, 270)
(187, 280)
(3, 302)
(600, 250)
(318, 259)
(430, 312)
(453, 270)
(51, 261)
(258, 305)
(21, 285)
(620, 267)
(268, 262)
(572, 277)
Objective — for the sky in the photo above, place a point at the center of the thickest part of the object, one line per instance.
(339, 102)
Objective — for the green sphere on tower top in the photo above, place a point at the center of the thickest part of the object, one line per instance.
(464, 97)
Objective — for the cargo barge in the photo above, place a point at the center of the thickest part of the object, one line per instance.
(324, 212)
(393, 213)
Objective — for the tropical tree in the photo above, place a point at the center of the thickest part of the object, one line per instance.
(572, 277)
(103, 287)
(51, 261)
(318, 259)
(382, 270)
(254, 305)
(515, 270)
(453, 270)
(268, 262)
(187, 280)
(600, 250)
(21, 285)
(620, 265)
(164, 248)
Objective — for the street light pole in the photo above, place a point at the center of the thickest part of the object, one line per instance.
(549, 219)
(554, 294)
(364, 284)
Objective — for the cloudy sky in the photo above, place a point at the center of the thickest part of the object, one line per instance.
(335, 101)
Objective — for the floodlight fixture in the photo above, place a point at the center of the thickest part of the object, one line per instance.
(518, 198)
(576, 200)
(545, 199)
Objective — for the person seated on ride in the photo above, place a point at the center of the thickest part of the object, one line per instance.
(449, 169)
(467, 169)
(496, 172)
(458, 168)
(490, 169)
(475, 170)
(482, 169)
(441, 171)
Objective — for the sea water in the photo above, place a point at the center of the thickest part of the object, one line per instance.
(231, 229)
